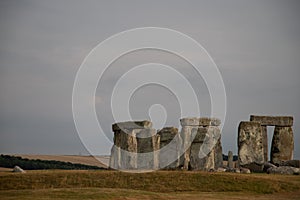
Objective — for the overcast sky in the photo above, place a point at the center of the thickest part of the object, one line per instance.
(255, 44)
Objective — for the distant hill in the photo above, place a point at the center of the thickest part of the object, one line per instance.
(34, 164)
(99, 161)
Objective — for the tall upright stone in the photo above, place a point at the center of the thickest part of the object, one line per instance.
(265, 142)
(134, 146)
(218, 154)
(230, 159)
(282, 144)
(186, 135)
(147, 144)
(170, 146)
(201, 139)
(250, 146)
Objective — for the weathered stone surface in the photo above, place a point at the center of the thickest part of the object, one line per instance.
(167, 134)
(250, 146)
(265, 142)
(230, 159)
(291, 163)
(221, 169)
(146, 144)
(218, 154)
(282, 144)
(123, 153)
(198, 134)
(198, 162)
(186, 133)
(268, 165)
(283, 170)
(202, 155)
(273, 120)
(131, 125)
(234, 170)
(134, 148)
(18, 169)
(144, 140)
(202, 143)
(170, 144)
(202, 121)
(128, 148)
(245, 170)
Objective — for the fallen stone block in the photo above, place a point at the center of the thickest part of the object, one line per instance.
(268, 165)
(18, 169)
(291, 163)
(284, 170)
(245, 170)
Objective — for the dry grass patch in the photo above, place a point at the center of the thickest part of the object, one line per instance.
(161, 181)
(129, 194)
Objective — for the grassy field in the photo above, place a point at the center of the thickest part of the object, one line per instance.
(60, 184)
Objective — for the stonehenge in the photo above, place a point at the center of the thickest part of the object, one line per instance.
(253, 141)
(197, 146)
(137, 146)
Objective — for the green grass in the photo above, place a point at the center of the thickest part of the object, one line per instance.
(60, 184)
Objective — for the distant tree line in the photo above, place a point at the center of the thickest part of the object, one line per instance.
(225, 157)
(30, 164)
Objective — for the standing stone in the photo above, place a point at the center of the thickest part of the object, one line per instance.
(134, 146)
(282, 144)
(115, 156)
(156, 147)
(250, 146)
(202, 154)
(230, 159)
(202, 142)
(146, 144)
(128, 148)
(186, 133)
(265, 142)
(170, 144)
(218, 154)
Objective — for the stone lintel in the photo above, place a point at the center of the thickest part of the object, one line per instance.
(202, 121)
(248, 125)
(131, 125)
(167, 133)
(273, 120)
